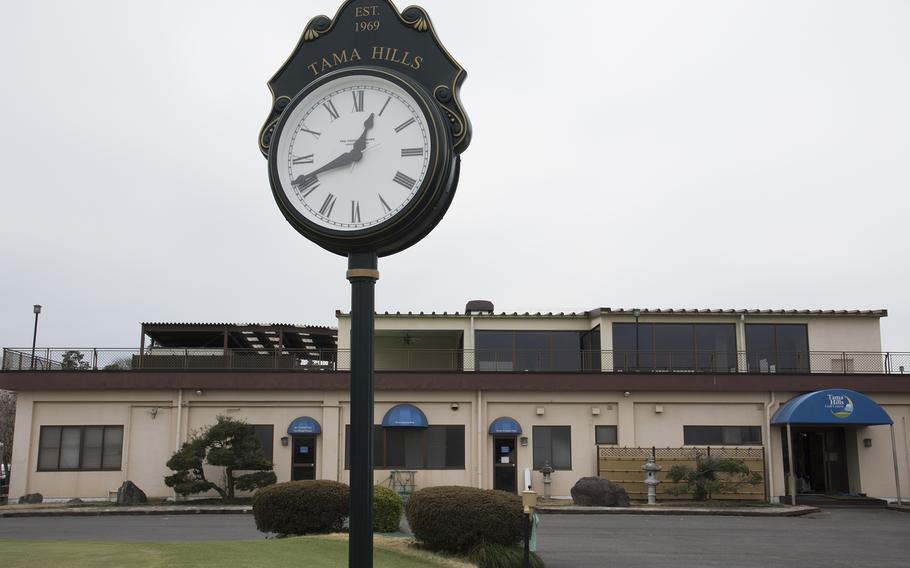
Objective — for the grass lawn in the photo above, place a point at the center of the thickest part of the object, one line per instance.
(309, 551)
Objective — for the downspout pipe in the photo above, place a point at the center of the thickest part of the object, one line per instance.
(769, 475)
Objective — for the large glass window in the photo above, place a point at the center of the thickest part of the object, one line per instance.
(74, 448)
(722, 435)
(709, 347)
(265, 433)
(553, 444)
(537, 350)
(434, 447)
(777, 348)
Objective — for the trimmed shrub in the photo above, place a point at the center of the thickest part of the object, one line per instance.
(302, 507)
(498, 556)
(457, 519)
(387, 509)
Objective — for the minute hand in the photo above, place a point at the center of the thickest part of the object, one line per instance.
(342, 160)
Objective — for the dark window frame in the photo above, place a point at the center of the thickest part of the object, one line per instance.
(516, 357)
(615, 435)
(753, 356)
(720, 430)
(270, 451)
(534, 462)
(382, 432)
(652, 357)
(82, 429)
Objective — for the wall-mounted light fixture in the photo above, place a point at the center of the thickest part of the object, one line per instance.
(627, 394)
(595, 411)
(154, 412)
(454, 406)
(523, 440)
(867, 442)
(540, 411)
(284, 440)
(658, 408)
(199, 392)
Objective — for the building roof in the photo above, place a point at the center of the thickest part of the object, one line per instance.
(597, 312)
(240, 335)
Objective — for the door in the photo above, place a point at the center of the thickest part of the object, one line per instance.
(821, 460)
(505, 468)
(303, 462)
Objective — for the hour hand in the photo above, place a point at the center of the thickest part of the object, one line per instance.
(361, 142)
(341, 160)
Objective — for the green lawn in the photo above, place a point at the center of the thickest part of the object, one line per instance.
(312, 552)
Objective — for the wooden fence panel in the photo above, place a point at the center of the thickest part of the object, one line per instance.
(623, 466)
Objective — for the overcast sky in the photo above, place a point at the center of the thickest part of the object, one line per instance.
(678, 154)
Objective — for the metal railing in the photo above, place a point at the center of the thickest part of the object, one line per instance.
(480, 360)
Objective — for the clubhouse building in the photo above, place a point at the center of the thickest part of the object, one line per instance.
(478, 398)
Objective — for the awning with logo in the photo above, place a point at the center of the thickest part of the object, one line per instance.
(832, 407)
(505, 425)
(405, 416)
(304, 425)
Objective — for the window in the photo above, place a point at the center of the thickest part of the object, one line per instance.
(776, 348)
(722, 435)
(553, 444)
(707, 347)
(433, 447)
(80, 448)
(265, 433)
(537, 350)
(605, 435)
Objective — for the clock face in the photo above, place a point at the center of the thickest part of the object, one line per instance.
(353, 152)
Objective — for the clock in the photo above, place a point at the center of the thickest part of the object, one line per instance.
(362, 160)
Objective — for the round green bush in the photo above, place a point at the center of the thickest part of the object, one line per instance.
(387, 509)
(458, 519)
(302, 507)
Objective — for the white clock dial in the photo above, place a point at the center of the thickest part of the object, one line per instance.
(354, 152)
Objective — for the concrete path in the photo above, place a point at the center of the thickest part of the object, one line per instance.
(132, 528)
(840, 538)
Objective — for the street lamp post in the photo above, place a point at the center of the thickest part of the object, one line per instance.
(37, 309)
(636, 312)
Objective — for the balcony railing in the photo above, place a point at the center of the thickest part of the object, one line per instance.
(516, 361)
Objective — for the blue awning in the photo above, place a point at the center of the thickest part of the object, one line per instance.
(405, 416)
(304, 425)
(832, 406)
(505, 425)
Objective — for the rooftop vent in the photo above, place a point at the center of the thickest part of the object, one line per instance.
(478, 307)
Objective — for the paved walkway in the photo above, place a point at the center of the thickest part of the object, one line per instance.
(839, 538)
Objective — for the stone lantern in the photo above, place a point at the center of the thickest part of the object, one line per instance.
(546, 470)
(651, 468)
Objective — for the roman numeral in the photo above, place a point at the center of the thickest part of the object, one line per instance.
(358, 101)
(405, 152)
(404, 125)
(355, 211)
(306, 184)
(404, 180)
(330, 106)
(385, 105)
(308, 159)
(385, 205)
(313, 132)
(327, 206)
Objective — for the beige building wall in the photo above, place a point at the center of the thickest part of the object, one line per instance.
(149, 419)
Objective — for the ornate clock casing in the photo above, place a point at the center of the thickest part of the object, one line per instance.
(366, 128)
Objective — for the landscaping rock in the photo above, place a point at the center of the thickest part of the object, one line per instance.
(31, 498)
(130, 494)
(76, 501)
(599, 492)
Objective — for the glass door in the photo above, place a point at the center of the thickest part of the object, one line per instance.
(303, 462)
(505, 467)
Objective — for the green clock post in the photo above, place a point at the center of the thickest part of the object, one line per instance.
(363, 142)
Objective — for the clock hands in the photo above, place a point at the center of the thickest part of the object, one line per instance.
(351, 157)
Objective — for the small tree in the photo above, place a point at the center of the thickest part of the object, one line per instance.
(228, 443)
(73, 361)
(711, 475)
